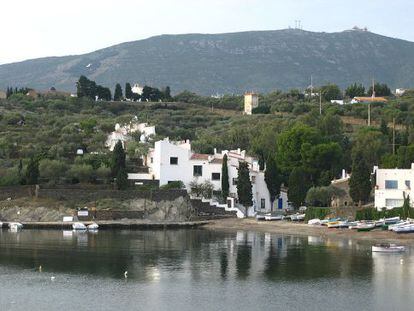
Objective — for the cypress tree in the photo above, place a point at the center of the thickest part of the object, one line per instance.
(225, 178)
(128, 91)
(244, 186)
(118, 92)
(32, 172)
(118, 159)
(360, 181)
(273, 180)
(122, 179)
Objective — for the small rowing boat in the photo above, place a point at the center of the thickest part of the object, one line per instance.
(314, 222)
(404, 229)
(270, 217)
(78, 226)
(363, 227)
(388, 248)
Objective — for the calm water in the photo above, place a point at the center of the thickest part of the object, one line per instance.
(198, 270)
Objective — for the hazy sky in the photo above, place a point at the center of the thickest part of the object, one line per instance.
(37, 28)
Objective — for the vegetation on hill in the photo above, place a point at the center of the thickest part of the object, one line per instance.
(40, 137)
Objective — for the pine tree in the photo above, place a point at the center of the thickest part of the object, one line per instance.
(118, 92)
(128, 91)
(118, 159)
(122, 179)
(167, 94)
(32, 172)
(273, 180)
(360, 181)
(225, 178)
(244, 186)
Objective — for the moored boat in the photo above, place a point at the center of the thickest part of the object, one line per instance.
(388, 248)
(270, 217)
(15, 226)
(300, 217)
(78, 226)
(93, 226)
(392, 220)
(398, 224)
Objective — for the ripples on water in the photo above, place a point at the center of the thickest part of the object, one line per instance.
(198, 270)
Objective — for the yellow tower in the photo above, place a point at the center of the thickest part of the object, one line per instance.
(251, 101)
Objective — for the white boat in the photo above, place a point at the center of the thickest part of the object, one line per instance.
(388, 248)
(300, 217)
(1, 224)
(392, 220)
(269, 217)
(315, 222)
(78, 226)
(353, 224)
(379, 223)
(260, 217)
(93, 226)
(404, 229)
(15, 226)
(398, 224)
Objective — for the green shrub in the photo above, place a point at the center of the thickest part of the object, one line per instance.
(316, 212)
(173, 185)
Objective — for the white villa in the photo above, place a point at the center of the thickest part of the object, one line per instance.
(391, 185)
(137, 89)
(123, 133)
(172, 161)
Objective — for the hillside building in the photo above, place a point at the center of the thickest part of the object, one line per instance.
(137, 89)
(3, 95)
(172, 161)
(251, 101)
(391, 187)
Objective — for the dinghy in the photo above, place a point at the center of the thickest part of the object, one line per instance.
(398, 224)
(388, 248)
(270, 217)
(15, 226)
(314, 222)
(93, 226)
(260, 217)
(392, 220)
(404, 229)
(365, 227)
(78, 226)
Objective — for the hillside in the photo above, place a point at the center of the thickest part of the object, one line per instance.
(229, 63)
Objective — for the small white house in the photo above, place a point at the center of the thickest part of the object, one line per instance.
(137, 89)
(123, 133)
(392, 185)
(175, 161)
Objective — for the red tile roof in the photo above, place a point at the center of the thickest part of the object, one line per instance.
(199, 156)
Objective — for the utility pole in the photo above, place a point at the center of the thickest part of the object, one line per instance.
(320, 102)
(393, 135)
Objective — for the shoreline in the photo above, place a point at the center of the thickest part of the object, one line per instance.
(302, 229)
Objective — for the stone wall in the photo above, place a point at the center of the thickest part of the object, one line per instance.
(15, 192)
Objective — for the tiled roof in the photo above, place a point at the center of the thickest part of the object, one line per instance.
(199, 156)
(371, 99)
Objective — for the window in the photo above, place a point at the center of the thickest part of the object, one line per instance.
(173, 160)
(263, 203)
(152, 160)
(215, 176)
(234, 181)
(408, 184)
(391, 184)
(391, 203)
(253, 179)
(197, 170)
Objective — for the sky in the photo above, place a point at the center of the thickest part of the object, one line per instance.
(40, 28)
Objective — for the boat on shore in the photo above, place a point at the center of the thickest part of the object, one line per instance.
(270, 217)
(364, 227)
(297, 217)
(315, 222)
(398, 224)
(79, 226)
(392, 220)
(260, 217)
(404, 229)
(388, 248)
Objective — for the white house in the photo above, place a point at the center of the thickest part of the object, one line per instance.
(251, 101)
(175, 161)
(137, 89)
(123, 133)
(391, 185)
(400, 92)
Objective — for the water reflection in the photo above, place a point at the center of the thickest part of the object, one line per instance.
(255, 270)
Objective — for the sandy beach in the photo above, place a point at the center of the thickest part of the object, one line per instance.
(294, 228)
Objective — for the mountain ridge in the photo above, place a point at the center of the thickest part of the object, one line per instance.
(228, 63)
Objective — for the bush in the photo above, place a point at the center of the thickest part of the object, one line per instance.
(103, 173)
(9, 177)
(80, 173)
(52, 170)
(316, 212)
(173, 185)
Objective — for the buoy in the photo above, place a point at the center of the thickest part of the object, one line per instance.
(52, 278)
(126, 274)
